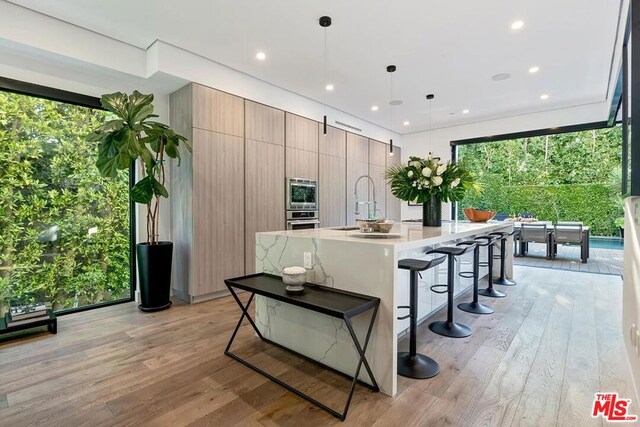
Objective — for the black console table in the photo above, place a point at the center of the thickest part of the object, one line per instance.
(50, 322)
(332, 302)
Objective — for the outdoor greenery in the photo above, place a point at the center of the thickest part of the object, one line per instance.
(564, 177)
(64, 230)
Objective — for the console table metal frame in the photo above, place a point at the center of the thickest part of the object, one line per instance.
(298, 300)
(51, 322)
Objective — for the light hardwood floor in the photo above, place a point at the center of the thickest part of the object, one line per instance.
(538, 360)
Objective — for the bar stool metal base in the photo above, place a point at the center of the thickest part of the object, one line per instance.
(504, 282)
(418, 366)
(450, 329)
(475, 308)
(491, 293)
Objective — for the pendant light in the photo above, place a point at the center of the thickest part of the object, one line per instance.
(391, 69)
(325, 22)
(430, 99)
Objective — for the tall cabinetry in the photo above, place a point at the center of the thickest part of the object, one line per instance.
(357, 165)
(332, 176)
(393, 204)
(301, 135)
(378, 153)
(207, 207)
(263, 173)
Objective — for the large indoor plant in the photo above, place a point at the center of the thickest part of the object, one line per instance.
(128, 137)
(429, 181)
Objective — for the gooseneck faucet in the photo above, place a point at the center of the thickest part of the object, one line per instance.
(368, 202)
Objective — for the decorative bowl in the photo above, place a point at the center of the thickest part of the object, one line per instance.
(294, 276)
(364, 224)
(477, 215)
(385, 225)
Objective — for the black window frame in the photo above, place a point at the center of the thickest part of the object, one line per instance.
(59, 95)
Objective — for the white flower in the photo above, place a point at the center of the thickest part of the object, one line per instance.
(440, 169)
(410, 174)
(436, 180)
(455, 183)
(426, 172)
(415, 164)
(414, 183)
(429, 157)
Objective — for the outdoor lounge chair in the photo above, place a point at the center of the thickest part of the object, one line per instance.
(534, 233)
(569, 233)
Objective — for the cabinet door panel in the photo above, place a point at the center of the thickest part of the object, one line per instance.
(264, 197)
(357, 148)
(218, 210)
(217, 111)
(301, 164)
(393, 204)
(263, 123)
(378, 153)
(334, 143)
(301, 133)
(332, 185)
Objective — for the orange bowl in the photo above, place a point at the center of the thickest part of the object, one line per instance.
(477, 215)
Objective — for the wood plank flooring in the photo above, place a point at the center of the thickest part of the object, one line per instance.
(603, 261)
(538, 360)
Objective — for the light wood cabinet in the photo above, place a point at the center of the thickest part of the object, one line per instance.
(377, 164)
(217, 111)
(301, 164)
(207, 193)
(263, 123)
(357, 165)
(332, 177)
(264, 196)
(378, 153)
(301, 133)
(393, 204)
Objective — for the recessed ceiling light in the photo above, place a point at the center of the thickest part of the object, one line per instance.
(501, 76)
(534, 70)
(406, 123)
(261, 56)
(374, 108)
(329, 87)
(544, 96)
(465, 111)
(517, 25)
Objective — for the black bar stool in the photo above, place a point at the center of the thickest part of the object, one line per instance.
(503, 236)
(489, 291)
(449, 328)
(412, 364)
(475, 306)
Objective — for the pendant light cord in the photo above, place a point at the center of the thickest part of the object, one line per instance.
(325, 70)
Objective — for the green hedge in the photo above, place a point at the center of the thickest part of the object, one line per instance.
(593, 204)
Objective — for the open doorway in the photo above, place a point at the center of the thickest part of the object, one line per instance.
(541, 182)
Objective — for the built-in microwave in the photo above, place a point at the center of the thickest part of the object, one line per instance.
(302, 194)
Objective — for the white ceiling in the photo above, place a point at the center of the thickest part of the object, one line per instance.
(449, 48)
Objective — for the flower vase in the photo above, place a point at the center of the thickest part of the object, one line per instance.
(432, 212)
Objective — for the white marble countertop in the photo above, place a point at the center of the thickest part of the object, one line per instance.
(412, 235)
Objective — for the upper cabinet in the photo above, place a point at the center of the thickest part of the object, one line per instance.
(301, 133)
(263, 123)
(377, 164)
(357, 166)
(217, 111)
(357, 148)
(378, 153)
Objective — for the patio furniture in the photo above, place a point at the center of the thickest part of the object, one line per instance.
(500, 216)
(534, 233)
(570, 233)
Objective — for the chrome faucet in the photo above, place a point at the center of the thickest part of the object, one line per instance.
(368, 202)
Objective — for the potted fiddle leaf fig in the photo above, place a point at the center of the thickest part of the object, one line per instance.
(129, 137)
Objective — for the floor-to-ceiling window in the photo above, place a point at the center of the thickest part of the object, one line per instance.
(64, 230)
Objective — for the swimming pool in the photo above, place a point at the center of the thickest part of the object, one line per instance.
(606, 242)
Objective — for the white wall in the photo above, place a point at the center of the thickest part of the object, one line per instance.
(631, 287)
(438, 140)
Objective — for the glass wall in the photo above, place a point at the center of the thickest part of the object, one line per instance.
(64, 230)
(564, 177)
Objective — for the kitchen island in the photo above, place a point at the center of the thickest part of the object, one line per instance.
(352, 261)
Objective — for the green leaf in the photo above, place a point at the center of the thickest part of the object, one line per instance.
(117, 103)
(143, 192)
(140, 107)
(159, 189)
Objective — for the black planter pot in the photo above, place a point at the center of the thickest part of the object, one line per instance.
(154, 274)
(432, 212)
(621, 232)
